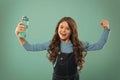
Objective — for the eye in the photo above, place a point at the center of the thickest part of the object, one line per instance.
(67, 28)
(61, 27)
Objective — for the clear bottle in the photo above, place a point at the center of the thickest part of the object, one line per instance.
(25, 21)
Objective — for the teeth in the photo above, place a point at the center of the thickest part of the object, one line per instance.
(63, 34)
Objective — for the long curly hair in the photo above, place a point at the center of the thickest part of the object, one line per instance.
(54, 47)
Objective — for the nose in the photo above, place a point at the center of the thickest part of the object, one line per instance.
(63, 30)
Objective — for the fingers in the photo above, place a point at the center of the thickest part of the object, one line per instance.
(20, 23)
(105, 24)
(20, 28)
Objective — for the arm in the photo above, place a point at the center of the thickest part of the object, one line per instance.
(25, 44)
(101, 42)
(37, 46)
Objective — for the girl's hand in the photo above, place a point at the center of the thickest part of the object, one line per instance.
(105, 24)
(20, 28)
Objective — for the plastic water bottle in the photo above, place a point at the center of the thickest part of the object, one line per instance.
(25, 21)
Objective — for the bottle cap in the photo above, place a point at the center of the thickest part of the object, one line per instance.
(25, 18)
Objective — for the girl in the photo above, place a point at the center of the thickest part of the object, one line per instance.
(65, 49)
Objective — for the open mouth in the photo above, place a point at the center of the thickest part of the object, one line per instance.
(62, 34)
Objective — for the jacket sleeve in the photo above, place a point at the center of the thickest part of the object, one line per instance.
(99, 44)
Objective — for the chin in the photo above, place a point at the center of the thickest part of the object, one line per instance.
(63, 39)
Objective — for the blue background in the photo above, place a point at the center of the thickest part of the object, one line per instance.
(18, 64)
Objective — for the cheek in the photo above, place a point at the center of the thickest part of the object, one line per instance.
(69, 33)
(58, 30)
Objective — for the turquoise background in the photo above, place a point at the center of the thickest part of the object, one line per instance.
(18, 64)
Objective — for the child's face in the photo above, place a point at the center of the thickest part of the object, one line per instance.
(64, 31)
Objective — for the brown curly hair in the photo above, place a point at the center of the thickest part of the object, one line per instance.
(54, 47)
